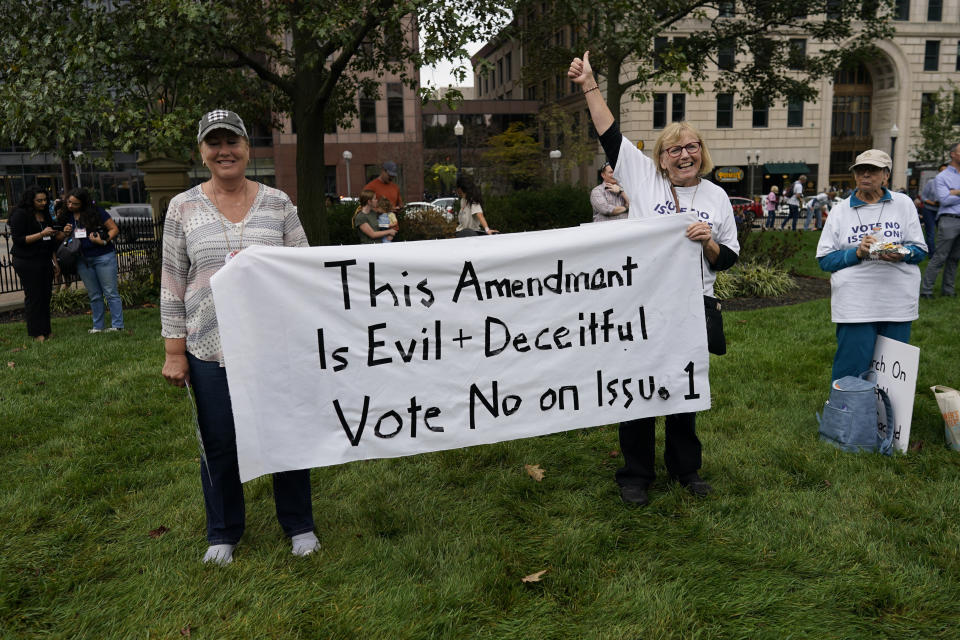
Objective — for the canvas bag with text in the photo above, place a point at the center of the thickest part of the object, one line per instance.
(949, 401)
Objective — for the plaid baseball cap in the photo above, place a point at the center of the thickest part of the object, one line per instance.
(221, 119)
(873, 158)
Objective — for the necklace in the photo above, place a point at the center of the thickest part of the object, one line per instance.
(676, 200)
(216, 200)
(231, 252)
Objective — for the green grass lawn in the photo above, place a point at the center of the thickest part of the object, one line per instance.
(799, 540)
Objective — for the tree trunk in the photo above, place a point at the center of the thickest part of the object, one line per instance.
(311, 181)
(614, 88)
(66, 175)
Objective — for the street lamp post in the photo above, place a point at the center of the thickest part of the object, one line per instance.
(347, 156)
(555, 156)
(458, 131)
(753, 159)
(894, 130)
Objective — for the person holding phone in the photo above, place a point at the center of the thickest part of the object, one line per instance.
(97, 267)
(35, 238)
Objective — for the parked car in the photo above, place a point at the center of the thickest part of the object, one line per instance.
(135, 221)
(413, 208)
(448, 205)
(746, 209)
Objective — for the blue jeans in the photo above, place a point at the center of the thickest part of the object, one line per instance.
(99, 275)
(220, 476)
(930, 228)
(794, 215)
(855, 342)
(771, 218)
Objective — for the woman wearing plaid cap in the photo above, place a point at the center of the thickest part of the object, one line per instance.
(205, 228)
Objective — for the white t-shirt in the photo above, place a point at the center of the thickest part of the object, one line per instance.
(873, 290)
(650, 196)
(797, 191)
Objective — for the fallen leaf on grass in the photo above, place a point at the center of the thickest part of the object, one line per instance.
(534, 577)
(185, 631)
(41, 383)
(534, 471)
(159, 531)
(149, 305)
(11, 364)
(917, 446)
(614, 454)
(18, 350)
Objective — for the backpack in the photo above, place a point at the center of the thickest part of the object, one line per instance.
(68, 254)
(849, 420)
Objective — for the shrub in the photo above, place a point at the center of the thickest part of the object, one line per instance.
(533, 210)
(425, 225)
(767, 248)
(71, 300)
(752, 280)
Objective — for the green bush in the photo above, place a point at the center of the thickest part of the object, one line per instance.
(425, 225)
(753, 280)
(71, 300)
(768, 247)
(340, 223)
(533, 210)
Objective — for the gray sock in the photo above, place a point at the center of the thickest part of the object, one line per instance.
(305, 543)
(221, 554)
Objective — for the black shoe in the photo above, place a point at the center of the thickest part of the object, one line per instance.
(632, 494)
(696, 485)
(926, 296)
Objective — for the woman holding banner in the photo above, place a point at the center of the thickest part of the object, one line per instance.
(668, 184)
(205, 228)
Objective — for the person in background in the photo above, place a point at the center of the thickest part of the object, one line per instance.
(608, 199)
(97, 266)
(773, 200)
(471, 220)
(871, 293)
(670, 183)
(947, 254)
(929, 207)
(34, 258)
(366, 219)
(385, 185)
(795, 201)
(815, 207)
(386, 219)
(205, 228)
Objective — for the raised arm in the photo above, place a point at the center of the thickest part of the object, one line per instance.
(581, 73)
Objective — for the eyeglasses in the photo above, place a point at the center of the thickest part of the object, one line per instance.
(674, 152)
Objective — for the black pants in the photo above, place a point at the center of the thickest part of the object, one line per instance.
(36, 276)
(681, 452)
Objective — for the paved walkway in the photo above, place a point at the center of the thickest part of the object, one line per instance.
(11, 301)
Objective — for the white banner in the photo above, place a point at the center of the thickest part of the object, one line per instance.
(896, 364)
(345, 353)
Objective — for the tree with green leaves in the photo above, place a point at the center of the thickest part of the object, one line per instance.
(761, 50)
(160, 63)
(939, 127)
(515, 157)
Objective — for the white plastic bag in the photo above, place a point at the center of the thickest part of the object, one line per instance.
(949, 401)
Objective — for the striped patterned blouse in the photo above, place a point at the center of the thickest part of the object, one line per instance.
(196, 241)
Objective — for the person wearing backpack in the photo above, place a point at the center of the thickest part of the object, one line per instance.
(871, 244)
(35, 239)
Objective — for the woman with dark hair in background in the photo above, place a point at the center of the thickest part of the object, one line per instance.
(97, 267)
(34, 257)
(471, 221)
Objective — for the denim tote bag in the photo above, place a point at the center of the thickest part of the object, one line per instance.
(849, 420)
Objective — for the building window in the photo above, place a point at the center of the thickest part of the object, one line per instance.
(928, 105)
(795, 113)
(901, 10)
(851, 117)
(486, 83)
(868, 10)
(934, 10)
(724, 110)
(727, 9)
(560, 86)
(726, 56)
(797, 54)
(679, 107)
(761, 115)
(591, 130)
(659, 110)
(958, 55)
(931, 55)
(394, 107)
(833, 9)
(368, 113)
(500, 72)
(659, 44)
(509, 60)
(330, 178)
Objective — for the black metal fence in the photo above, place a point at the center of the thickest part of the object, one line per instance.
(138, 245)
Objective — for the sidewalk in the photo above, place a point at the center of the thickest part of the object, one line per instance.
(11, 301)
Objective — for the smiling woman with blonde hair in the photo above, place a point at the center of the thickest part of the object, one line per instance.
(672, 182)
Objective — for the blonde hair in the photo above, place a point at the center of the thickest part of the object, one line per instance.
(671, 135)
(775, 189)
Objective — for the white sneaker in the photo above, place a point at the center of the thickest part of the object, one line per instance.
(114, 329)
(94, 330)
